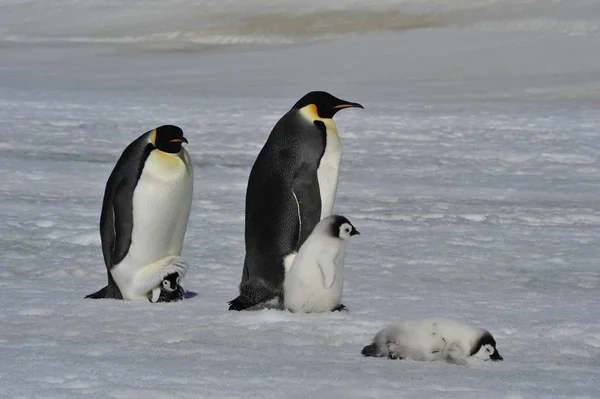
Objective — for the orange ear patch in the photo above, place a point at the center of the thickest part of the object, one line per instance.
(312, 111)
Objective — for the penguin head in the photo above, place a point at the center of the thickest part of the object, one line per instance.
(342, 228)
(485, 348)
(325, 105)
(170, 282)
(168, 138)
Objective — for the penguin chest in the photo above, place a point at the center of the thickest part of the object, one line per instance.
(328, 170)
(161, 207)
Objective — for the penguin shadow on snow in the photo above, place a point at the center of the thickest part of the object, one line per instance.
(190, 295)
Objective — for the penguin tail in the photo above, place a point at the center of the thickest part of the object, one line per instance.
(371, 350)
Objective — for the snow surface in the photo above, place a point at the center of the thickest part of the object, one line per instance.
(472, 174)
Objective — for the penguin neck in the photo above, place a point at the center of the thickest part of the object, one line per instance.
(311, 114)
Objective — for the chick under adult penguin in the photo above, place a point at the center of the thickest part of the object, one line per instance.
(145, 213)
(291, 187)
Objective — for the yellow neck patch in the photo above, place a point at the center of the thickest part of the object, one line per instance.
(311, 114)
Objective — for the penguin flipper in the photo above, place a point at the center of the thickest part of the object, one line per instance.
(327, 272)
(116, 218)
(308, 199)
(155, 295)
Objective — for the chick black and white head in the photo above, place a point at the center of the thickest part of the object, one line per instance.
(168, 138)
(341, 227)
(170, 282)
(485, 348)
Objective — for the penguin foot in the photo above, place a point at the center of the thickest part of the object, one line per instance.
(239, 304)
(110, 291)
(340, 308)
(98, 294)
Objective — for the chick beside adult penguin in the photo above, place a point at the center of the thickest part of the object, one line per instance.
(292, 186)
(315, 280)
(145, 212)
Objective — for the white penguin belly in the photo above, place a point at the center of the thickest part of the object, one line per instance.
(329, 169)
(161, 207)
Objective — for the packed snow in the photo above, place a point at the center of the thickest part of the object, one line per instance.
(472, 174)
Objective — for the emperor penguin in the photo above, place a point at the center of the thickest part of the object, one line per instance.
(315, 280)
(434, 339)
(292, 186)
(145, 213)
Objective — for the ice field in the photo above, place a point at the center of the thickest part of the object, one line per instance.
(472, 174)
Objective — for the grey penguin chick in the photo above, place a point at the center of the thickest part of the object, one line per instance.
(434, 339)
(169, 290)
(291, 187)
(315, 280)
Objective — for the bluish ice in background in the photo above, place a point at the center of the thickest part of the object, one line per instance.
(472, 174)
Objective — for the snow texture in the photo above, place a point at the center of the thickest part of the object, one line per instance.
(472, 174)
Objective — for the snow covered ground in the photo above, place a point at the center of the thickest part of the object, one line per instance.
(473, 175)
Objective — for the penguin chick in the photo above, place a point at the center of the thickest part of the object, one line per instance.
(434, 339)
(169, 290)
(315, 280)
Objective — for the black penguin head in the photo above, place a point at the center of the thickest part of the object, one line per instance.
(485, 348)
(168, 138)
(326, 105)
(342, 228)
(170, 282)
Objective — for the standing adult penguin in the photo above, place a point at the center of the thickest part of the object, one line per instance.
(292, 186)
(145, 213)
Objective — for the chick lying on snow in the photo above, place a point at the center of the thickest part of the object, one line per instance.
(434, 339)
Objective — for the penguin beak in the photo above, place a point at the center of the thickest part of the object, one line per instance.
(181, 140)
(496, 356)
(348, 105)
(354, 232)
